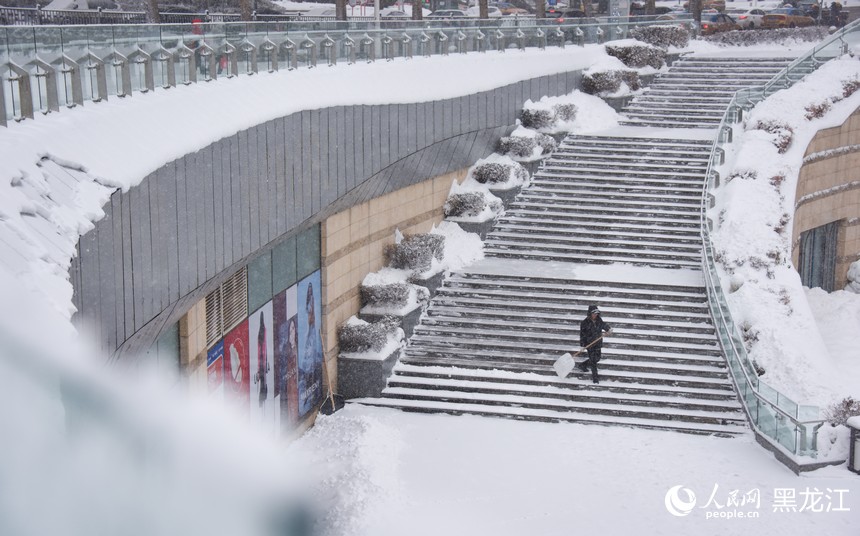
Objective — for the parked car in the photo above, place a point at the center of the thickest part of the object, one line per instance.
(510, 9)
(447, 14)
(747, 18)
(718, 22)
(567, 14)
(719, 5)
(492, 12)
(786, 17)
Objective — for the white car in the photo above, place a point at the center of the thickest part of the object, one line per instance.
(747, 18)
(492, 12)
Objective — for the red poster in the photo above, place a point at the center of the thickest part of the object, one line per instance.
(237, 382)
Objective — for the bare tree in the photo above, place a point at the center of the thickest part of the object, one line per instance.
(650, 7)
(417, 13)
(153, 16)
(245, 9)
(483, 10)
(696, 9)
(340, 9)
(540, 9)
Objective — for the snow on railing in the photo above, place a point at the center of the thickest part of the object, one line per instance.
(46, 68)
(777, 417)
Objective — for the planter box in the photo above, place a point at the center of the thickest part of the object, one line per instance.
(507, 196)
(481, 228)
(432, 283)
(359, 378)
(618, 103)
(408, 321)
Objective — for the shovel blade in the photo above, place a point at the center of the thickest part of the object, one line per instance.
(563, 365)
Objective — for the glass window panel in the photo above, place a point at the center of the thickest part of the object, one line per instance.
(259, 281)
(308, 251)
(284, 272)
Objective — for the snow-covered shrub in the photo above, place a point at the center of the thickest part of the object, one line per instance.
(783, 133)
(608, 82)
(357, 336)
(638, 55)
(537, 118)
(470, 205)
(565, 111)
(491, 172)
(849, 87)
(853, 284)
(392, 295)
(525, 146)
(817, 109)
(416, 252)
(839, 412)
(662, 36)
(762, 37)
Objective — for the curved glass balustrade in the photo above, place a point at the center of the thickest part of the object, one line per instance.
(778, 417)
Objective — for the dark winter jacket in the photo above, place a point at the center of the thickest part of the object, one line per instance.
(589, 329)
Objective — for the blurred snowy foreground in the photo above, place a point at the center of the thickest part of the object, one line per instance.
(86, 451)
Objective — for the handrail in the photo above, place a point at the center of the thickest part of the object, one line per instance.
(766, 407)
(46, 68)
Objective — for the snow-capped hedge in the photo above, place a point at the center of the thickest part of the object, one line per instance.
(763, 37)
(392, 294)
(358, 336)
(662, 36)
(416, 252)
(637, 54)
(546, 118)
(472, 205)
(610, 82)
(525, 144)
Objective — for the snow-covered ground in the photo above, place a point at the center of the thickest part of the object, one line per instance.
(401, 473)
(145, 464)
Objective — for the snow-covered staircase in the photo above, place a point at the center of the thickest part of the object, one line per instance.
(695, 91)
(611, 219)
(610, 199)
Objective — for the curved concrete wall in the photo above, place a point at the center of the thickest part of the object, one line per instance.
(165, 244)
(828, 190)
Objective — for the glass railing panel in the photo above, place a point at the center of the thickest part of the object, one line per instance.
(766, 419)
(786, 433)
(786, 404)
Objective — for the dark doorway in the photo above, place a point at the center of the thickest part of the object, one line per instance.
(817, 259)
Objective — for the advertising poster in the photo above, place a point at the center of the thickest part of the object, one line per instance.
(237, 381)
(310, 343)
(215, 370)
(286, 356)
(261, 355)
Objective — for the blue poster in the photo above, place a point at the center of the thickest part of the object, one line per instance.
(310, 361)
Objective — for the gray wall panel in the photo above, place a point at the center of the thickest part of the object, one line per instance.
(225, 217)
(304, 178)
(252, 178)
(357, 145)
(164, 244)
(340, 151)
(119, 285)
(277, 165)
(316, 117)
(367, 140)
(388, 138)
(411, 133)
(128, 280)
(331, 149)
(169, 233)
(107, 291)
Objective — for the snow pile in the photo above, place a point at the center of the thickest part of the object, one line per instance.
(591, 113)
(853, 284)
(527, 145)
(610, 78)
(753, 234)
(461, 248)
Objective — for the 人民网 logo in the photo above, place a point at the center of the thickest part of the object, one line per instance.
(680, 501)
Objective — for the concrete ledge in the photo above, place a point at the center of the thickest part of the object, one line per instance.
(407, 321)
(481, 228)
(432, 283)
(507, 196)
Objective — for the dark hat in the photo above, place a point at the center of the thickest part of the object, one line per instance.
(593, 309)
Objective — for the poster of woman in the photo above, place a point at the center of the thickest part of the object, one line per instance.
(310, 343)
(286, 354)
(261, 356)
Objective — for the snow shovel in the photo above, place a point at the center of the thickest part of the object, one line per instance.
(564, 364)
